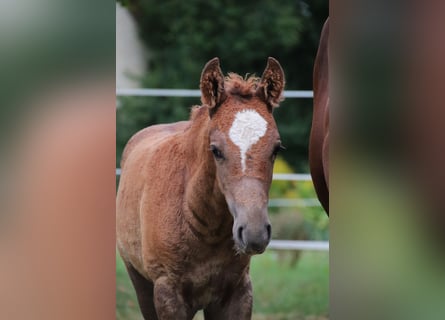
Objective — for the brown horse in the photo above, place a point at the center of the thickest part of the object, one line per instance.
(193, 195)
(319, 138)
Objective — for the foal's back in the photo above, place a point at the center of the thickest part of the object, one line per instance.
(152, 135)
(142, 164)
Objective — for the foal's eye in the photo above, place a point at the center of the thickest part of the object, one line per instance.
(276, 150)
(216, 152)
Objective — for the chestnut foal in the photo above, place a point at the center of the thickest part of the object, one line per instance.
(193, 195)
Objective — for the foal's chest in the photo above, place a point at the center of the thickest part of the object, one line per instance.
(210, 281)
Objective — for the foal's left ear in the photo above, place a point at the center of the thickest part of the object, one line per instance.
(271, 85)
(212, 84)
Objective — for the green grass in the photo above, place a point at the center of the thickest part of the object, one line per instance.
(280, 291)
(126, 302)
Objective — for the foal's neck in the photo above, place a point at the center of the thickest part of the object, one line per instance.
(205, 200)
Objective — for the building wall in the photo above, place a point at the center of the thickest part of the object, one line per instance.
(131, 56)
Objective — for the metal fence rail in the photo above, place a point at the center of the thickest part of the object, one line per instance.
(292, 176)
(276, 176)
(149, 92)
(298, 245)
(307, 202)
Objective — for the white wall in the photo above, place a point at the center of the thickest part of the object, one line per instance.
(131, 55)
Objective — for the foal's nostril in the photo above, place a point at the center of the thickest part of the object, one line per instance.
(269, 231)
(240, 234)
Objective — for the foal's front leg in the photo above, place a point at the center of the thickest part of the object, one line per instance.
(168, 303)
(238, 306)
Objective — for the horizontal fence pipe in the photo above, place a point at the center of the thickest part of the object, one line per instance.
(308, 202)
(149, 92)
(276, 176)
(298, 245)
(290, 244)
(292, 176)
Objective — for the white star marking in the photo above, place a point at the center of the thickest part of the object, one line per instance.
(247, 128)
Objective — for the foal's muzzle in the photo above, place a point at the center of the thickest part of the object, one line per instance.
(251, 240)
(251, 225)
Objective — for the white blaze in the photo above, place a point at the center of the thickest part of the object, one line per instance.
(247, 128)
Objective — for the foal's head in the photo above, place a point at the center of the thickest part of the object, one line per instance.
(244, 140)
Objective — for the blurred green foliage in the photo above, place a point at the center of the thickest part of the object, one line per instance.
(315, 222)
(182, 36)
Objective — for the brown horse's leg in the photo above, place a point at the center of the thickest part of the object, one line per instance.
(235, 305)
(144, 292)
(169, 303)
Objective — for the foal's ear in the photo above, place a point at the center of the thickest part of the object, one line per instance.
(212, 84)
(271, 85)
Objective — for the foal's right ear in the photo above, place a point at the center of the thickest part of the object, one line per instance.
(212, 84)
